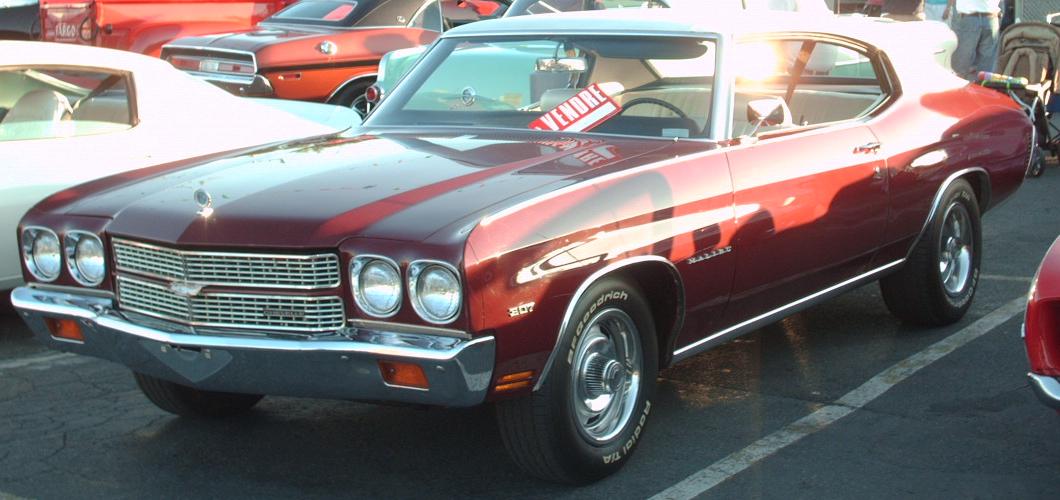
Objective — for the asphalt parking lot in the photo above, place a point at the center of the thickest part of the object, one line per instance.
(841, 401)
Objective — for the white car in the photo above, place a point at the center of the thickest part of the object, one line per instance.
(70, 114)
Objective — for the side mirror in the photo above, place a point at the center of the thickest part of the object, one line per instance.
(562, 65)
(767, 112)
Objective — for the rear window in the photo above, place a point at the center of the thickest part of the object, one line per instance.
(349, 13)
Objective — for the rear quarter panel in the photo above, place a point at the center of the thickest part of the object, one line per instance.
(970, 127)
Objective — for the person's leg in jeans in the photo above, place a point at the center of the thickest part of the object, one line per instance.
(986, 56)
(963, 59)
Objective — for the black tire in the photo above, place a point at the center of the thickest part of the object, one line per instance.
(542, 432)
(186, 401)
(920, 292)
(1037, 164)
(353, 97)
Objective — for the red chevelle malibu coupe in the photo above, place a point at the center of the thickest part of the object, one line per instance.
(542, 215)
(1041, 329)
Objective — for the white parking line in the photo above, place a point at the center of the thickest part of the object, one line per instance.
(1001, 277)
(705, 479)
(34, 360)
(8, 496)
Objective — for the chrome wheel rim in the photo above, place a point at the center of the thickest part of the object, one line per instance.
(605, 375)
(955, 250)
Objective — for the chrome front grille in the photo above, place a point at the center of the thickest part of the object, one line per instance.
(298, 272)
(232, 310)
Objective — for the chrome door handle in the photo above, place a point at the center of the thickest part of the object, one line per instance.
(869, 147)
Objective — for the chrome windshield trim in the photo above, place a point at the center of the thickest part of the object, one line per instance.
(780, 312)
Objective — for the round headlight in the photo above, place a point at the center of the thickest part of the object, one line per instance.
(376, 285)
(84, 257)
(435, 289)
(41, 253)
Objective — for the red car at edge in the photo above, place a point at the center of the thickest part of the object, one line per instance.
(1041, 329)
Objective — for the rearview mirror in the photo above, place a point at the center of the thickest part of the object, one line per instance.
(562, 65)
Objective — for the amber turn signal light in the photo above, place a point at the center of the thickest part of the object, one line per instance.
(403, 374)
(513, 381)
(66, 329)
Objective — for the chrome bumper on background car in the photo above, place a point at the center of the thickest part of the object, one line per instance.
(345, 365)
(250, 86)
(1047, 389)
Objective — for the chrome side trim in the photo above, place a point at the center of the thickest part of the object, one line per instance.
(222, 77)
(593, 278)
(1033, 144)
(938, 201)
(1047, 389)
(780, 312)
(342, 86)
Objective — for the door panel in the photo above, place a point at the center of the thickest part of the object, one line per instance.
(811, 209)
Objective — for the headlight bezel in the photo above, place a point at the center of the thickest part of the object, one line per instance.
(357, 267)
(415, 271)
(29, 237)
(71, 247)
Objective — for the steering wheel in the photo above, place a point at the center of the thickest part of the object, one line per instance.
(658, 102)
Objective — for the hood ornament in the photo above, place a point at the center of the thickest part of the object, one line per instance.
(205, 202)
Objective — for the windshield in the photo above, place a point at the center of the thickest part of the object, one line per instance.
(348, 13)
(644, 86)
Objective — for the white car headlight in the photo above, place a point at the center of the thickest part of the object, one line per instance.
(42, 253)
(434, 288)
(376, 283)
(84, 257)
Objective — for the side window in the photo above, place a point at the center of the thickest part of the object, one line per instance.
(430, 18)
(819, 81)
(40, 103)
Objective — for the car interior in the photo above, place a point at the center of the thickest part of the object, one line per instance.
(47, 103)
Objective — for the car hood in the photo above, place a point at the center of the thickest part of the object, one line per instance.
(412, 187)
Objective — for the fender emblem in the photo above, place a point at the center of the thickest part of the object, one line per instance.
(521, 309)
(185, 289)
(710, 255)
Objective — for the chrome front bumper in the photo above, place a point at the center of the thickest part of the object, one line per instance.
(1047, 389)
(344, 365)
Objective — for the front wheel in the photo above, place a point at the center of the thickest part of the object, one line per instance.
(587, 418)
(936, 285)
(190, 402)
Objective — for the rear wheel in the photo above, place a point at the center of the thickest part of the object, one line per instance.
(937, 283)
(587, 417)
(186, 401)
(353, 97)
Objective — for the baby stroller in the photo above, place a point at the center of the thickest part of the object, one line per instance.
(1031, 50)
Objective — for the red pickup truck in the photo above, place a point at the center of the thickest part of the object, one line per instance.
(145, 25)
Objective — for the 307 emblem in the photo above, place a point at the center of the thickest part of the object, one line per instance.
(521, 309)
